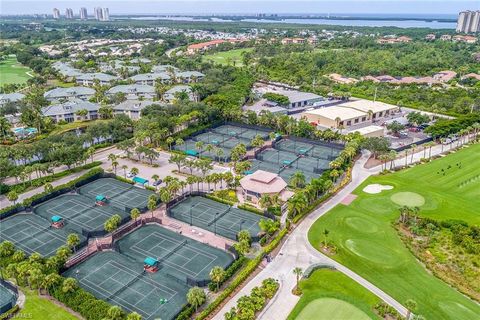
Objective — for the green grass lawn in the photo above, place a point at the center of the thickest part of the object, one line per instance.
(12, 72)
(329, 294)
(367, 243)
(41, 308)
(232, 57)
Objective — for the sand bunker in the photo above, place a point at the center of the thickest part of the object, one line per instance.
(376, 188)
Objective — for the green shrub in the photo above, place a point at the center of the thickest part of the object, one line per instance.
(250, 208)
(229, 272)
(214, 198)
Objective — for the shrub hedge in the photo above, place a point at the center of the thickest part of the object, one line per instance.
(10, 314)
(241, 276)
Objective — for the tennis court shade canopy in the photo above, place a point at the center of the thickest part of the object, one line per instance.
(149, 261)
(140, 180)
(100, 198)
(191, 153)
(56, 218)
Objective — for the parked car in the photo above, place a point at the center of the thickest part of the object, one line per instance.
(130, 175)
(157, 182)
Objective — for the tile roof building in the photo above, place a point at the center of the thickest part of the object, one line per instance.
(89, 79)
(57, 94)
(132, 108)
(260, 183)
(133, 91)
(66, 111)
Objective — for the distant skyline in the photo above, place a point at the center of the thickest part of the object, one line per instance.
(200, 7)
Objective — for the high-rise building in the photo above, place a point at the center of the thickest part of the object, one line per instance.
(69, 13)
(468, 22)
(83, 14)
(98, 13)
(56, 13)
(105, 14)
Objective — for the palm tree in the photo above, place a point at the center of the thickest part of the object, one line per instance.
(124, 168)
(114, 166)
(196, 297)
(297, 180)
(298, 272)
(297, 204)
(50, 281)
(265, 201)
(217, 274)
(325, 234)
(134, 316)
(73, 240)
(413, 152)
(134, 171)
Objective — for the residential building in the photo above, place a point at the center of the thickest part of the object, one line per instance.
(98, 13)
(430, 37)
(293, 41)
(67, 111)
(56, 13)
(189, 76)
(59, 94)
(468, 22)
(263, 183)
(164, 68)
(151, 78)
(170, 95)
(203, 46)
(338, 78)
(445, 37)
(89, 79)
(393, 40)
(133, 91)
(444, 76)
(370, 131)
(66, 70)
(466, 39)
(132, 108)
(68, 13)
(83, 14)
(105, 14)
(10, 98)
(140, 60)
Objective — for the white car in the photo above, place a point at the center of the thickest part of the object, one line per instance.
(130, 175)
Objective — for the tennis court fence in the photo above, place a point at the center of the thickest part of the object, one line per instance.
(13, 301)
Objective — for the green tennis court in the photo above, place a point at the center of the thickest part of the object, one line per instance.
(80, 213)
(8, 298)
(225, 137)
(120, 194)
(216, 217)
(121, 281)
(32, 233)
(179, 256)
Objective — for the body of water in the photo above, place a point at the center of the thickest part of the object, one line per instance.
(365, 22)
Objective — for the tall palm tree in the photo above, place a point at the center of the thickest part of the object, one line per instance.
(124, 168)
(297, 204)
(298, 272)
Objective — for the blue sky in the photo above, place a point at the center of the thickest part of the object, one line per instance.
(451, 7)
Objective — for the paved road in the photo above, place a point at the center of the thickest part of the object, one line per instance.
(298, 252)
(102, 155)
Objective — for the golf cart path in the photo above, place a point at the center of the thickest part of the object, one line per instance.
(298, 252)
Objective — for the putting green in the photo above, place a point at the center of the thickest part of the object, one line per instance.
(410, 199)
(365, 225)
(373, 252)
(378, 205)
(331, 309)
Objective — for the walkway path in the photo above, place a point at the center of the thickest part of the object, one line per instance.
(298, 252)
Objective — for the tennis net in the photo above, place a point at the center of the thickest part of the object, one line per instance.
(171, 252)
(219, 216)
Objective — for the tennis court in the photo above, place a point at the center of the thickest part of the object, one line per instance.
(216, 217)
(121, 281)
(289, 156)
(120, 194)
(225, 137)
(8, 299)
(80, 213)
(178, 255)
(32, 233)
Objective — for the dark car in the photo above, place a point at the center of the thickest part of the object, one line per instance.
(157, 182)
